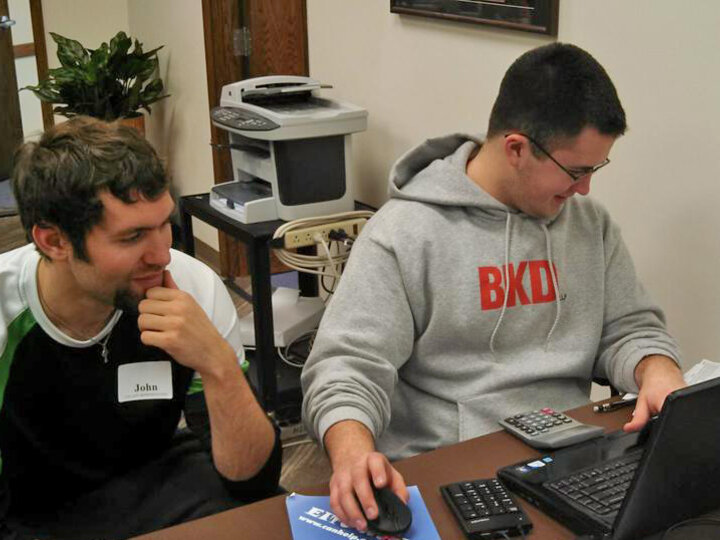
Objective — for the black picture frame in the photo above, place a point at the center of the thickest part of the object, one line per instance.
(538, 16)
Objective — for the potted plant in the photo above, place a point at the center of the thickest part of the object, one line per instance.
(110, 82)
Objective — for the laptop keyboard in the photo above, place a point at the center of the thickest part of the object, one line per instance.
(600, 489)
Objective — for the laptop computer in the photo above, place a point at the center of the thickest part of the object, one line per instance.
(630, 485)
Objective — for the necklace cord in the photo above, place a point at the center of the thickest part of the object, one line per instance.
(52, 314)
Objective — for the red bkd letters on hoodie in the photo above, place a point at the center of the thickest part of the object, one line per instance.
(492, 291)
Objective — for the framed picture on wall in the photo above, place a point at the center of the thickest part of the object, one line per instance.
(540, 16)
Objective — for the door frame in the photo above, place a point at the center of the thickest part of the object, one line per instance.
(37, 48)
(220, 18)
(12, 135)
(41, 57)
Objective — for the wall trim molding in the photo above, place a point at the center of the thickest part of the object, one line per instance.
(21, 50)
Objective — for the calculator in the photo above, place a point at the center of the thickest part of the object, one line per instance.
(485, 509)
(546, 428)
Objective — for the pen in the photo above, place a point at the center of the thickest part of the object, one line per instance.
(614, 405)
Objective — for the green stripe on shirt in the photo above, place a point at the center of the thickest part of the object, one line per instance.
(196, 385)
(17, 330)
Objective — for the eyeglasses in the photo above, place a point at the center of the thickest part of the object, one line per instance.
(575, 174)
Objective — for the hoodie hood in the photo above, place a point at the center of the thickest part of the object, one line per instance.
(434, 172)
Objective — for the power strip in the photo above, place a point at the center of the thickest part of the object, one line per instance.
(307, 237)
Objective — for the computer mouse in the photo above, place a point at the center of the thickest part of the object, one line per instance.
(394, 517)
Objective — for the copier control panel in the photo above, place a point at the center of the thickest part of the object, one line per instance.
(234, 117)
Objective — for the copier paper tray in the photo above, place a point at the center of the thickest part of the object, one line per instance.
(243, 192)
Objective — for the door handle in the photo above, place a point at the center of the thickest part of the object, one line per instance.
(6, 22)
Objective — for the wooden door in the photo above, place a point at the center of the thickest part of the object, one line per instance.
(276, 31)
(278, 37)
(11, 133)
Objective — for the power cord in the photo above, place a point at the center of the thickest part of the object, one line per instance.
(330, 258)
(295, 358)
(342, 237)
(329, 289)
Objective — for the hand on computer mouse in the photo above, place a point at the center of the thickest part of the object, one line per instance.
(357, 467)
(394, 517)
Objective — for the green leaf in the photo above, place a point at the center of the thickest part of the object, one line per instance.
(119, 46)
(44, 94)
(155, 86)
(138, 47)
(99, 57)
(70, 52)
(148, 69)
(69, 75)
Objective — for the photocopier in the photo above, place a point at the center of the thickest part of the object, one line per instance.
(290, 149)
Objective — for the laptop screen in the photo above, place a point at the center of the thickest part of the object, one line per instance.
(679, 475)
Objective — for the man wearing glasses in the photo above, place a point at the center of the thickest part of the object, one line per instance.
(486, 288)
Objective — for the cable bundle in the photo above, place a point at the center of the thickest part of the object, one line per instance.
(327, 264)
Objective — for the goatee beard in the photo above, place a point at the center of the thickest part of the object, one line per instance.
(126, 301)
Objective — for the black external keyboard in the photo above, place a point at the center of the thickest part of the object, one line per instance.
(485, 509)
(600, 489)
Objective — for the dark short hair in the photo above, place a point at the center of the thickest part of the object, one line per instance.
(58, 180)
(552, 93)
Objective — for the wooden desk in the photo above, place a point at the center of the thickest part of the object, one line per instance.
(476, 458)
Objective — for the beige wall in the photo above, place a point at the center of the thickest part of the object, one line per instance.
(89, 21)
(422, 77)
(179, 126)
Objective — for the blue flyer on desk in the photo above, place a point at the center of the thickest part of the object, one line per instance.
(311, 519)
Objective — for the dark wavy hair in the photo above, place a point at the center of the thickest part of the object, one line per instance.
(552, 93)
(57, 180)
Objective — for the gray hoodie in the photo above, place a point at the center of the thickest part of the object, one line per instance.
(446, 318)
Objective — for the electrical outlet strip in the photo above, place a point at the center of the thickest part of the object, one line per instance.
(306, 237)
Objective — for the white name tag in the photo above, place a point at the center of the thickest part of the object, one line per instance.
(145, 380)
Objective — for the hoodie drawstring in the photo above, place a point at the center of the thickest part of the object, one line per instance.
(506, 282)
(553, 274)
